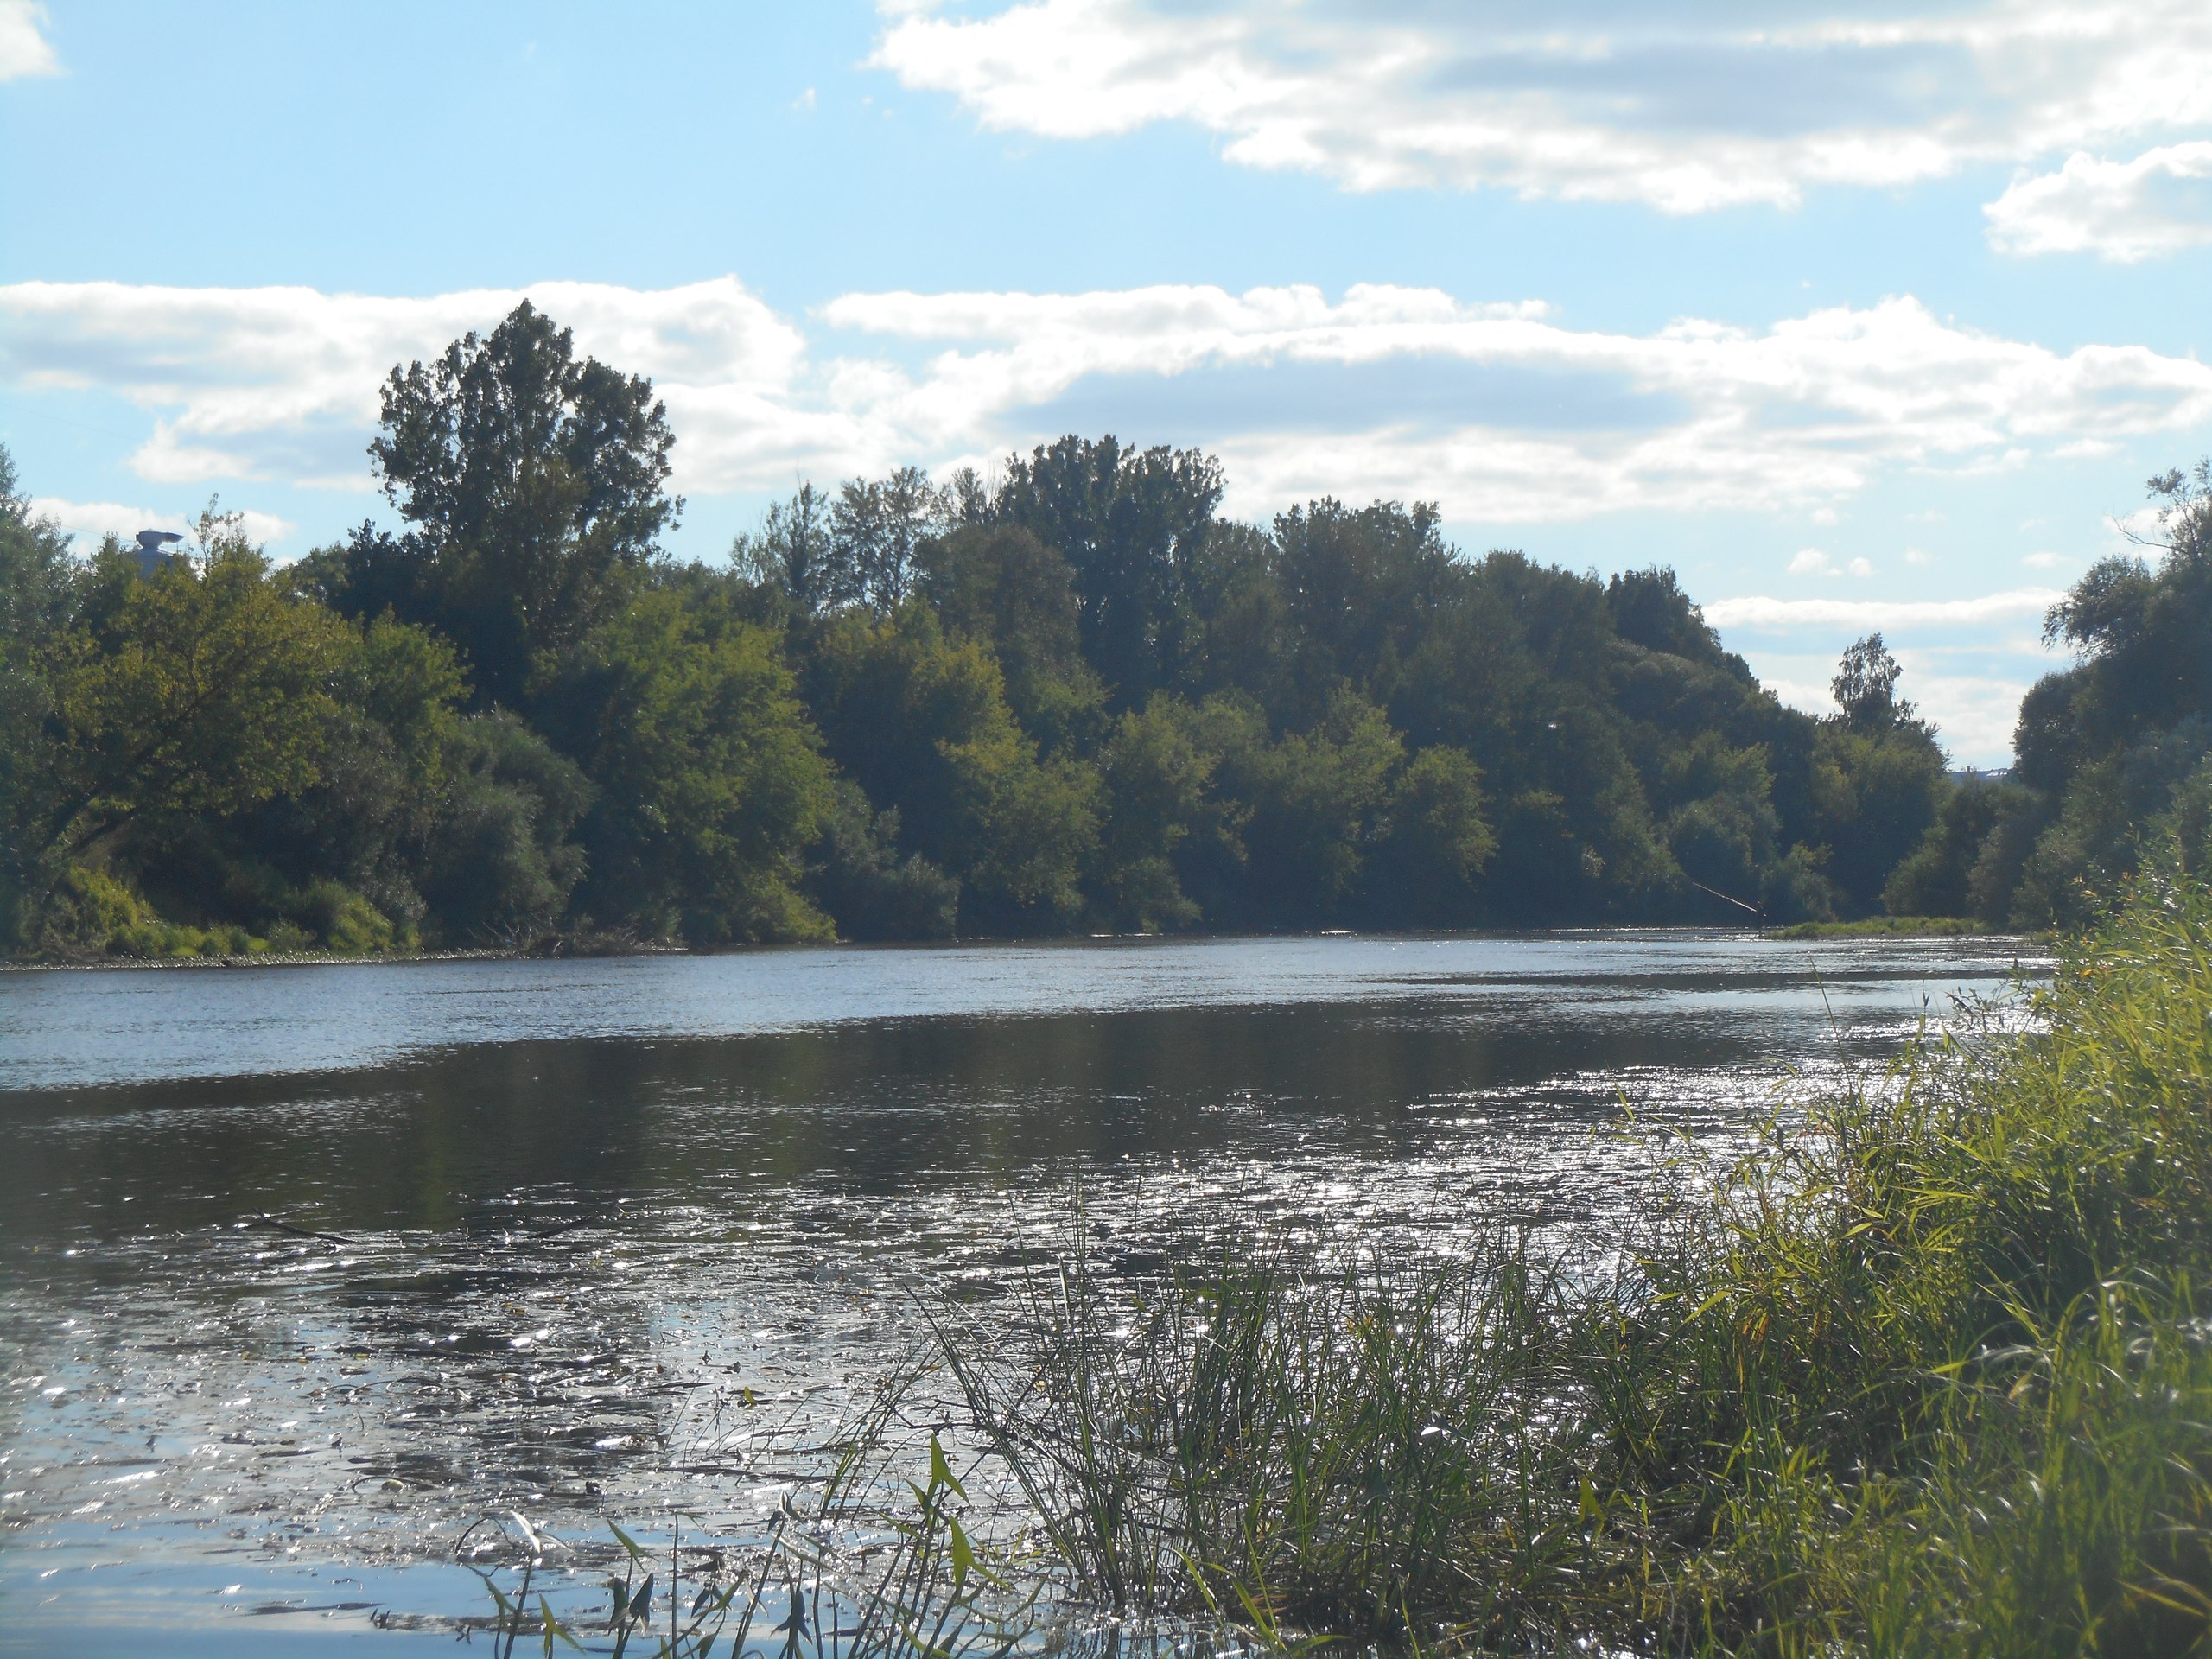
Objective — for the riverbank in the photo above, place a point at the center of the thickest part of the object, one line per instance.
(1887, 927)
(611, 949)
(1926, 1373)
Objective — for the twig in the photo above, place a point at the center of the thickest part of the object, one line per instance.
(298, 1232)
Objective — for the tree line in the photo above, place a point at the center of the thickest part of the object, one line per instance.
(1070, 698)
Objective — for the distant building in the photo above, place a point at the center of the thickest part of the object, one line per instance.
(1980, 774)
(151, 543)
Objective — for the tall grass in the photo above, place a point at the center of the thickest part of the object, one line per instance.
(1927, 1373)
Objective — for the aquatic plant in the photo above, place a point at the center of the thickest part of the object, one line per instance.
(1925, 1372)
(912, 1584)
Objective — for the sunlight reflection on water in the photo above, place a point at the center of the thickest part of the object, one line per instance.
(301, 1270)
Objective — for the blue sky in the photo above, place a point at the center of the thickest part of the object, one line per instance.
(1860, 315)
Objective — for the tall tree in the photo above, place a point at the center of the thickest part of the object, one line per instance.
(795, 555)
(1133, 524)
(39, 591)
(1878, 776)
(880, 528)
(535, 484)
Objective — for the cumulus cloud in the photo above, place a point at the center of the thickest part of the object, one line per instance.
(2159, 203)
(1879, 615)
(93, 520)
(1696, 415)
(23, 49)
(1498, 411)
(283, 382)
(1684, 109)
(1974, 714)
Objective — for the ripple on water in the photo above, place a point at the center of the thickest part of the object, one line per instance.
(278, 1344)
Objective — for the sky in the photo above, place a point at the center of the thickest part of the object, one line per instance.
(1860, 316)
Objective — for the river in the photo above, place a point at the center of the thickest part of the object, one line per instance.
(304, 1270)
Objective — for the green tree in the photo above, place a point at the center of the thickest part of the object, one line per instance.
(881, 529)
(1318, 799)
(207, 692)
(872, 888)
(1159, 788)
(497, 866)
(362, 823)
(1435, 844)
(1878, 775)
(998, 584)
(710, 781)
(39, 593)
(922, 722)
(2104, 744)
(534, 482)
(1133, 525)
(796, 555)
(1936, 878)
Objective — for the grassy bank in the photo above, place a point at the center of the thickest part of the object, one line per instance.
(1927, 1374)
(1878, 927)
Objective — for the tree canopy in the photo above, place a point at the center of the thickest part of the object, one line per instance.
(1074, 697)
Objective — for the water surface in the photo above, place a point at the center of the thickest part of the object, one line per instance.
(303, 1270)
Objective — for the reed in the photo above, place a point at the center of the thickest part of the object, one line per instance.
(858, 1573)
(1925, 1373)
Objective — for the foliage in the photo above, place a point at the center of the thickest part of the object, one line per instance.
(2105, 748)
(1159, 776)
(203, 692)
(1925, 1372)
(38, 603)
(921, 722)
(1877, 775)
(498, 867)
(533, 483)
(709, 779)
(866, 886)
(1134, 526)
(1074, 697)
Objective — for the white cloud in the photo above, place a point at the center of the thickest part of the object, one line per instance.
(23, 49)
(1974, 712)
(1697, 416)
(2160, 202)
(1685, 109)
(2045, 560)
(281, 382)
(1811, 562)
(1498, 411)
(1862, 568)
(93, 520)
(1918, 556)
(1882, 615)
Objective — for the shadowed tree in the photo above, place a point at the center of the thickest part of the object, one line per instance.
(1133, 524)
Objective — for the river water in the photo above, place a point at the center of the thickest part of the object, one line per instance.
(305, 1270)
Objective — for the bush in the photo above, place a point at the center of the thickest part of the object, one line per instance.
(94, 912)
